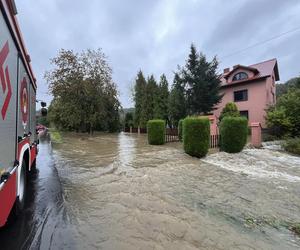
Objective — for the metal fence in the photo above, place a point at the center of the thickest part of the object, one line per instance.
(172, 135)
(143, 130)
(214, 141)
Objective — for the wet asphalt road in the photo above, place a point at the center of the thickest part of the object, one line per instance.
(43, 224)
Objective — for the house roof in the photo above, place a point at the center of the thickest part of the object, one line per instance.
(239, 66)
(261, 70)
(266, 68)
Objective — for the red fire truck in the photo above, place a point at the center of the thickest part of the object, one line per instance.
(18, 139)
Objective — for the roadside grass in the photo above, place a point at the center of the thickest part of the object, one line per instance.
(55, 135)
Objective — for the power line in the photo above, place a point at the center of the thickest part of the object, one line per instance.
(260, 43)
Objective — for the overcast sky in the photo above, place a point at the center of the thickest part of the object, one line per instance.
(155, 36)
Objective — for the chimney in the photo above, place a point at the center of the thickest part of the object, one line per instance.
(225, 71)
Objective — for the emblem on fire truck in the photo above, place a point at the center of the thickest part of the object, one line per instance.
(24, 101)
(5, 81)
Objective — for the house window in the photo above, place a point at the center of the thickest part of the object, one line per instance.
(244, 113)
(241, 95)
(240, 76)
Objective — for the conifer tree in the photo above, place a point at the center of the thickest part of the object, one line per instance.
(177, 103)
(139, 97)
(149, 100)
(161, 99)
(202, 83)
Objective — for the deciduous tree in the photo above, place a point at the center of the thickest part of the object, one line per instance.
(85, 96)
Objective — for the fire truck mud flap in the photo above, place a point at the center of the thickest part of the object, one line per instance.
(8, 191)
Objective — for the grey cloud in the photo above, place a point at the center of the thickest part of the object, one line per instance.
(155, 35)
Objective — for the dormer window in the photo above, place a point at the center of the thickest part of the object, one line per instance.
(240, 76)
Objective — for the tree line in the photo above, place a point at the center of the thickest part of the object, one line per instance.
(283, 119)
(85, 98)
(195, 91)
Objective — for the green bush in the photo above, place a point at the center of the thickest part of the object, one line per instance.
(156, 130)
(180, 129)
(196, 136)
(55, 136)
(278, 123)
(284, 119)
(234, 131)
(292, 146)
(230, 109)
(43, 120)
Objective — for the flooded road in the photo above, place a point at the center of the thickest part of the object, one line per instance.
(124, 194)
(44, 222)
(117, 192)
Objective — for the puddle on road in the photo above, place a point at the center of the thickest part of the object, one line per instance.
(121, 193)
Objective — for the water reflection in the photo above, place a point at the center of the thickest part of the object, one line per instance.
(127, 151)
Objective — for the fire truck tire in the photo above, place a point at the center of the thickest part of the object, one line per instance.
(33, 166)
(20, 202)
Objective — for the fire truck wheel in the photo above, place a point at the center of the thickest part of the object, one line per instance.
(33, 166)
(22, 189)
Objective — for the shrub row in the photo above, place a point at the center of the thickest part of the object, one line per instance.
(196, 136)
(195, 132)
(233, 131)
(156, 132)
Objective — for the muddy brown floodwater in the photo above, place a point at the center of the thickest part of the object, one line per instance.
(120, 193)
(114, 191)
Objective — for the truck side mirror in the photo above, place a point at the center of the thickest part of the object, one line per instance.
(44, 111)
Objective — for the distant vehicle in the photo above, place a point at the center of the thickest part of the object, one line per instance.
(41, 129)
(18, 147)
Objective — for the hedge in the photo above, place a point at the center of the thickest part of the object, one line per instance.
(234, 132)
(156, 130)
(180, 130)
(196, 136)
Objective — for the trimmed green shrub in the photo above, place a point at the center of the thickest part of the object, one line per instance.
(180, 129)
(156, 130)
(230, 109)
(196, 136)
(292, 146)
(234, 132)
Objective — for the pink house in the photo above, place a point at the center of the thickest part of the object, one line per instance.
(251, 88)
